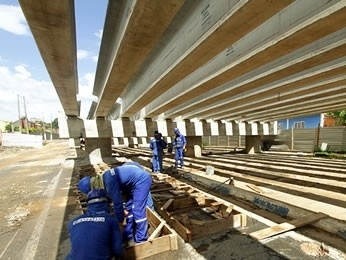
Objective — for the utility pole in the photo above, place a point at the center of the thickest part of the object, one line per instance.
(20, 120)
(26, 117)
(44, 128)
(51, 127)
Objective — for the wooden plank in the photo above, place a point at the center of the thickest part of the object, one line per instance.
(157, 231)
(167, 204)
(287, 226)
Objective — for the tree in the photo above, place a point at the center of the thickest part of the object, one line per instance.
(55, 123)
(339, 116)
(8, 127)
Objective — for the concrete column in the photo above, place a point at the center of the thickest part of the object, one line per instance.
(129, 127)
(190, 128)
(170, 126)
(252, 144)
(194, 146)
(222, 128)
(151, 127)
(99, 147)
(206, 128)
(133, 142)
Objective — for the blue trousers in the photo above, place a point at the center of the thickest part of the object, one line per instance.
(179, 157)
(156, 163)
(136, 222)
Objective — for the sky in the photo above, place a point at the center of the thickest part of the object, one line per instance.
(25, 85)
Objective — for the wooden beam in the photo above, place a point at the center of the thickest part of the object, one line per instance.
(287, 226)
(167, 204)
(157, 231)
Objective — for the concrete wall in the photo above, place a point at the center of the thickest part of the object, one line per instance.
(21, 140)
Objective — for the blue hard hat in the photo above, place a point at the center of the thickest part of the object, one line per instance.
(97, 195)
(176, 130)
(84, 185)
(135, 164)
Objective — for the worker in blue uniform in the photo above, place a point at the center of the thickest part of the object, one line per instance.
(179, 145)
(96, 233)
(163, 144)
(157, 145)
(131, 182)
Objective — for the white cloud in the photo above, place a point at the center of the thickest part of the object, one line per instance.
(41, 99)
(21, 72)
(86, 84)
(82, 54)
(99, 34)
(13, 20)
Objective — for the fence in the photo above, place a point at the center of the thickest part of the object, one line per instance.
(297, 139)
(310, 139)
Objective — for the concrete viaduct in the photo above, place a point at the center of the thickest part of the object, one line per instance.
(209, 67)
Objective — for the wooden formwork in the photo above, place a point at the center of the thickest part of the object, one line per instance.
(190, 212)
(161, 239)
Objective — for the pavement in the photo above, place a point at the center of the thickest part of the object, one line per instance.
(36, 202)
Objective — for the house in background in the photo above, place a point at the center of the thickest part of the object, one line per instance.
(312, 121)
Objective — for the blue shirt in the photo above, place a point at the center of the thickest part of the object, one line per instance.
(95, 234)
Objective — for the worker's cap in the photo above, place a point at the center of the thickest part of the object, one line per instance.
(156, 132)
(84, 185)
(134, 164)
(176, 130)
(97, 195)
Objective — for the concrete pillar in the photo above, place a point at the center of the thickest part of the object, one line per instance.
(190, 128)
(194, 146)
(170, 126)
(151, 126)
(133, 142)
(222, 128)
(252, 144)
(99, 147)
(129, 127)
(206, 128)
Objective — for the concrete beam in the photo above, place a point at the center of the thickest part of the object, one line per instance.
(52, 24)
(207, 30)
(127, 36)
(254, 50)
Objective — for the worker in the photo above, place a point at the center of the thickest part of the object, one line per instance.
(157, 145)
(179, 145)
(162, 153)
(96, 233)
(133, 183)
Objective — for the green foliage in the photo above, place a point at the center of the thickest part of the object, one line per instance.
(340, 117)
(55, 123)
(33, 130)
(8, 127)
